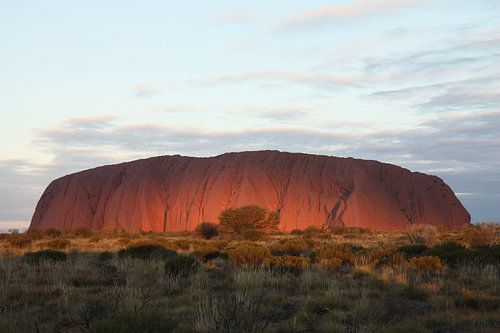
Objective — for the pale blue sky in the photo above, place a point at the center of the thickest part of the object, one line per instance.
(85, 83)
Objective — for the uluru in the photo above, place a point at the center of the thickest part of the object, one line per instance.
(173, 193)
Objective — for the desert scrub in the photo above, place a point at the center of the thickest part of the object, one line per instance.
(56, 244)
(146, 250)
(207, 230)
(290, 264)
(292, 247)
(336, 251)
(422, 234)
(249, 255)
(45, 255)
(331, 264)
(427, 265)
(180, 266)
(80, 232)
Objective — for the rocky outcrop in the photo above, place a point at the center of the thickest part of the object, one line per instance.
(171, 193)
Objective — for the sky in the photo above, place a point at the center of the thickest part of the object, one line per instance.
(410, 82)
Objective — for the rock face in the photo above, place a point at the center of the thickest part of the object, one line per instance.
(171, 193)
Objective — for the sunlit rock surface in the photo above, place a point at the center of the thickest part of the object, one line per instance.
(170, 193)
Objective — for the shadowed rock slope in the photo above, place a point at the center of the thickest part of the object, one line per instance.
(170, 193)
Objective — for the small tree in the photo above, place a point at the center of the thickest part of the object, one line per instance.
(251, 217)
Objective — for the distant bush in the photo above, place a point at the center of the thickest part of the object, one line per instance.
(145, 250)
(289, 264)
(57, 244)
(311, 232)
(486, 254)
(428, 265)
(19, 241)
(336, 251)
(81, 232)
(451, 252)
(45, 255)
(476, 236)
(380, 256)
(207, 230)
(354, 231)
(181, 244)
(422, 234)
(52, 232)
(413, 250)
(180, 266)
(248, 255)
(251, 217)
(296, 232)
(291, 247)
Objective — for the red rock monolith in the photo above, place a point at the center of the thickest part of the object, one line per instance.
(172, 193)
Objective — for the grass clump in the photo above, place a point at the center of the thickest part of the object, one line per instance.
(57, 243)
(292, 247)
(249, 255)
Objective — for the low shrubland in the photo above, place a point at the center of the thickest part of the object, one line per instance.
(302, 281)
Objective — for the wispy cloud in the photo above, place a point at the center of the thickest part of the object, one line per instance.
(462, 148)
(304, 78)
(145, 90)
(349, 10)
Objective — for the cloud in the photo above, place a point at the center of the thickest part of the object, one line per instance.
(143, 90)
(462, 148)
(306, 78)
(350, 10)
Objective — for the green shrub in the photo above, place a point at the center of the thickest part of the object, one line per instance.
(180, 266)
(413, 250)
(251, 217)
(145, 250)
(45, 255)
(450, 252)
(207, 230)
